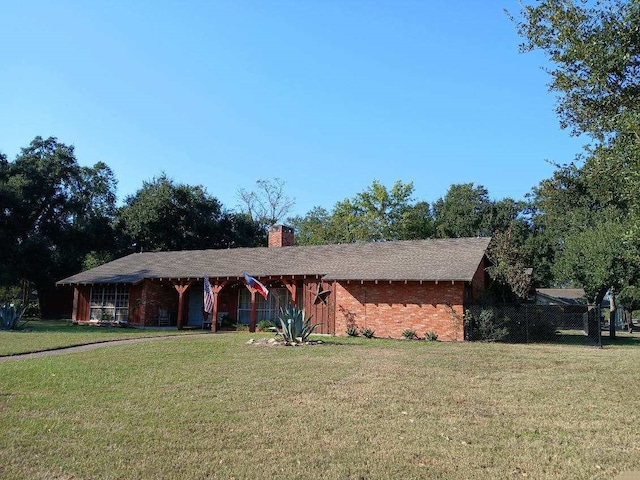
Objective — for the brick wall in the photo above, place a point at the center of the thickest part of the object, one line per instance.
(479, 281)
(390, 308)
(281, 236)
(147, 301)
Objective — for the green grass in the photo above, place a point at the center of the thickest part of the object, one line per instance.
(214, 407)
(50, 334)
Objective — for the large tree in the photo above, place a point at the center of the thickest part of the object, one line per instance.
(163, 215)
(312, 228)
(594, 50)
(464, 211)
(268, 204)
(53, 212)
(375, 214)
(594, 54)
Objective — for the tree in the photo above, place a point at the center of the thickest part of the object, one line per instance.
(560, 205)
(376, 214)
(629, 296)
(163, 215)
(390, 214)
(464, 211)
(594, 258)
(415, 222)
(594, 50)
(509, 266)
(312, 228)
(267, 205)
(50, 207)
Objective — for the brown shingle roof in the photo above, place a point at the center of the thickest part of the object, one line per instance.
(563, 295)
(429, 260)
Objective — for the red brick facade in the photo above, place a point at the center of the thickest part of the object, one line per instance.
(281, 236)
(145, 301)
(387, 308)
(390, 308)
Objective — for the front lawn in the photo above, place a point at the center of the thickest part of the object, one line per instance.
(215, 407)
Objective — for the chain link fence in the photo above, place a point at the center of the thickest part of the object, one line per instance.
(526, 323)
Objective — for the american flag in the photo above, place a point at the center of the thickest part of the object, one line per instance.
(208, 296)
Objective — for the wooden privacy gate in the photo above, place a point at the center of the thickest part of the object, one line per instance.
(318, 301)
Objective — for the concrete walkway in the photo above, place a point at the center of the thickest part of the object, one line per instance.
(91, 346)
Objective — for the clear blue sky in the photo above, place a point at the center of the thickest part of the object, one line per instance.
(327, 95)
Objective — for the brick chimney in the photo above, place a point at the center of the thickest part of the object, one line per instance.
(280, 236)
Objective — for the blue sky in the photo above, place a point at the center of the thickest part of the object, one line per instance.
(327, 95)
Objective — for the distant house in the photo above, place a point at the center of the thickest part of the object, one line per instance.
(560, 296)
(422, 285)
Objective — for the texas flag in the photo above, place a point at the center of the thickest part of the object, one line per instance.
(253, 283)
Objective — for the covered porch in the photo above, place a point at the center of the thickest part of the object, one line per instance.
(179, 302)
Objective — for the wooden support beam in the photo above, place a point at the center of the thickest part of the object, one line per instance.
(291, 286)
(182, 289)
(215, 290)
(254, 311)
(254, 308)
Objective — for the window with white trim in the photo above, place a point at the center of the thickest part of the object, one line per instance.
(109, 303)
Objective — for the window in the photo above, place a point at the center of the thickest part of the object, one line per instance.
(267, 309)
(109, 303)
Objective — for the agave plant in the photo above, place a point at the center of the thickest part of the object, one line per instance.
(10, 316)
(294, 328)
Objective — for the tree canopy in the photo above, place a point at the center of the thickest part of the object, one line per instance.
(268, 204)
(53, 212)
(589, 213)
(163, 215)
(376, 214)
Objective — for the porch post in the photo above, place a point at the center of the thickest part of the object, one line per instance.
(291, 286)
(215, 290)
(181, 291)
(76, 303)
(254, 311)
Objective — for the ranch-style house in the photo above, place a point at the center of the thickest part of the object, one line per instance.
(388, 287)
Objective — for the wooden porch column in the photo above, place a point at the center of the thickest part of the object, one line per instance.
(215, 290)
(291, 286)
(254, 311)
(181, 288)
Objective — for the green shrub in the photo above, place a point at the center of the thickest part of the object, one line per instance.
(409, 334)
(32, 310)
(486, 326)
(240, 327)
(431, 336)
(367, 332)
(226, 322)
(265, 326)
(294, 328)
(352, 331)
(10, 316)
